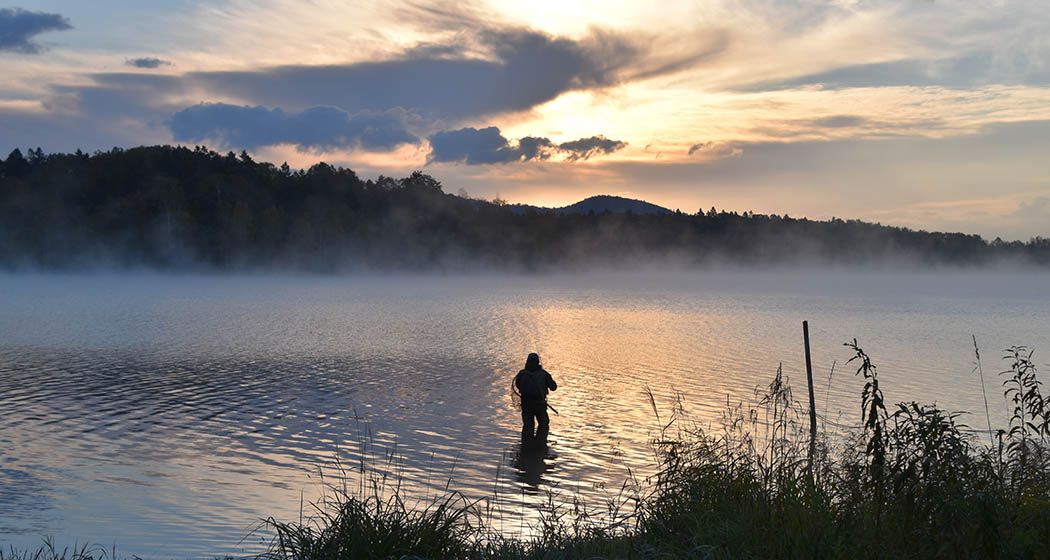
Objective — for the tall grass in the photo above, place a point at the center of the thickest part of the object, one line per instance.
(49, 551)
(911, 482)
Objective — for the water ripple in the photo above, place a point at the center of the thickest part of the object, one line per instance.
(172, 414)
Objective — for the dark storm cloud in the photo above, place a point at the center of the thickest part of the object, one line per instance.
(313, 128)
(487, 145)
(18, 27)
(147, 62)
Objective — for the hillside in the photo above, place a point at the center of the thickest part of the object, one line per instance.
(612, 204)
(167, 207)
(600, 204)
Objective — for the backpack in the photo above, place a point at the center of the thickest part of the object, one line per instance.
(533, 384)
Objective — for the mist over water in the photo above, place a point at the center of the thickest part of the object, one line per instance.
(169, 414)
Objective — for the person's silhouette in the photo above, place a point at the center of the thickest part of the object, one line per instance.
(532, 384)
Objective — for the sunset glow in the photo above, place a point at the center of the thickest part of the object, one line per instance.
(931, 115)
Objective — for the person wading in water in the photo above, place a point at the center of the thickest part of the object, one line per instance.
(532, 384)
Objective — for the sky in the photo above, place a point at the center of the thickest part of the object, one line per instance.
(930, 114)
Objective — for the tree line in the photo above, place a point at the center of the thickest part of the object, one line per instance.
(174, 207)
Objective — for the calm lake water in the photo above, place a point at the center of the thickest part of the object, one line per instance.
(168, 414)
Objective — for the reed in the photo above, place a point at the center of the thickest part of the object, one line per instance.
(49, 551)
(910, 481)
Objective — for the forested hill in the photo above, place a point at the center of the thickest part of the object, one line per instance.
(599, 205)
(173, 207)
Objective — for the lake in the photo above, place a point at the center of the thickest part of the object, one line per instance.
(168, 415)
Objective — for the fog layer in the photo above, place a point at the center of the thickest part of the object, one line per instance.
(171, 208)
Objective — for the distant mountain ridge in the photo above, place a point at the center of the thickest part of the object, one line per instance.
(599, 204)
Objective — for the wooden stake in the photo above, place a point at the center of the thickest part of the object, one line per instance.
(812, 401)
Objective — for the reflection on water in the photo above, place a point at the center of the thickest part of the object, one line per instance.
(169, 415)
(532, 459)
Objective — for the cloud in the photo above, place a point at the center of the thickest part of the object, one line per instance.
(871, 179)
(487, 145)
(520, 69)
(1034, 211)
(837, 121)
(147, 62)
(483, 70)
(972, 70)
(534, 147)
(716, 150)
(68, 132)
(18, 27)
(477, 146)
(317, 128)
(465, 68)
(585, 148)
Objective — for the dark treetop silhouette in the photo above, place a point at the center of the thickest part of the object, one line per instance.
(167, 207)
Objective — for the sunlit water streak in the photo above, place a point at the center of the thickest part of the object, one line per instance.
(169, 415)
